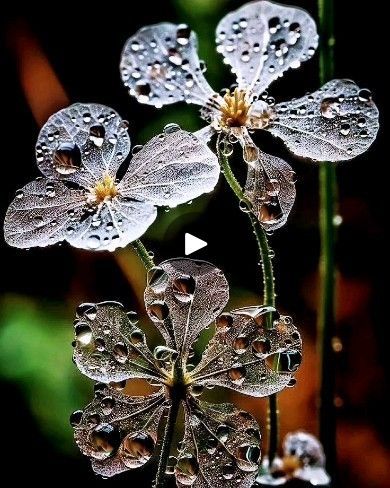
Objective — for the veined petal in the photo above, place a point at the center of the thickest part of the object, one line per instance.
(118, 432)
(270, 188)
(42, 213)
(170, 169)
(337, 122)
(221, 447)
(81, 143)
(262, 39)
(183, 297)
(112, 224)
(160, 66)
(108, 347)
(248, 358)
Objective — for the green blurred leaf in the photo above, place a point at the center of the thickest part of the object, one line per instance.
(36, 354)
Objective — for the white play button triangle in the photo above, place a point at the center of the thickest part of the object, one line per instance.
(192, 243)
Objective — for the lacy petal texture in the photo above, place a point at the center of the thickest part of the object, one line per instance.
(221, 443)
(80, 198)
(260, 42)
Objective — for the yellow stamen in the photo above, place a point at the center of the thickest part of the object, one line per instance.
(234, 111)
(105, 189)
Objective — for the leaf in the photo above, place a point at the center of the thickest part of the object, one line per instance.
(248, 358)
(261, 40)
(337, 122)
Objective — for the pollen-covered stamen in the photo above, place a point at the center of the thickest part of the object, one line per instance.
(235, 109)
(104, 190)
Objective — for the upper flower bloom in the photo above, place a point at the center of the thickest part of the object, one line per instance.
(260, 41)
(82, 200)
(221, 444)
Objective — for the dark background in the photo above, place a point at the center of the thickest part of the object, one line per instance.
(40, 287)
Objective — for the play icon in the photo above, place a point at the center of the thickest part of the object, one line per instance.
(192, 243)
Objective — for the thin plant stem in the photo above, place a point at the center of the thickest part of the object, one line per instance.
(143, 254)
(166, 443)
(328, 206)
(268, 285)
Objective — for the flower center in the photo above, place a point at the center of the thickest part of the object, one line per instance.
(235, 109)
(104, 190)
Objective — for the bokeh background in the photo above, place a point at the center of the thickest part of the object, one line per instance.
(53, 55)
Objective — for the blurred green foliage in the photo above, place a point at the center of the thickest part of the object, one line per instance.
(36, 354)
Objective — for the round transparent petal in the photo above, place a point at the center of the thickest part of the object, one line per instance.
(82, 142)
(172, 168)
(160, 66)
(119, 432)
(221, 447)
(337, 122)
(270, 188)
(113, 224)
(109, 347)
(262, 39)
(247, 357)
(182, 297)
(42, 213)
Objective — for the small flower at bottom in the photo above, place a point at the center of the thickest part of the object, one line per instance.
(82, 200)
(260, 41)
(303, 459)
(221, 444)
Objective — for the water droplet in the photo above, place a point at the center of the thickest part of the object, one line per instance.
(337, 220)
(75, 418)
(222, 433)
(274, 25)
(83, 334)
(237, 374)
(226, 148)
(330, 108)
(211, 445)
(136, 149)
(240, 344)
(228, 471)
(50, 192)
(38, 221)
(96, 135)
(184, 288)
(67, 158)
(121, 352)
(135, 46)
(245, 206)
(137, 449)
(224, 322)
(157, 279)
(174, 56)
(365, 95)
(163, 353)
(345, 129)
(250, 153)
(171, 128)
(291, 383)
(107, 405)
(100, 345)
(137, 337)
(183, 34)
(159, 310)
(186, 469)
(361, 122)
(87, 118)
(245, 57)
(142, 91)
(105, 439)
(261, 347)
(363, 134)
(19, 194)
(197, 390)
(88, 310)
(93, 242)
(284, 362)
(247, 457)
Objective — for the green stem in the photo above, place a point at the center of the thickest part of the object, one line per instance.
(268, 283)
(326, 314)
(166, 443)
(143, 254)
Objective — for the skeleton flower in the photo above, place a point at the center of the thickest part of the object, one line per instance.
(303, 459)
(82, 200)
(260, 41)
(221, 444)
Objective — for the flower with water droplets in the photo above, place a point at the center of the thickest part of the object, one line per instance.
(82, 199)
(259, 41)
(303, 459)
(221, 444)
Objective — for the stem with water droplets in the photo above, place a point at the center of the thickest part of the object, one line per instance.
(326, 313)
(143, 254)
(268, 283)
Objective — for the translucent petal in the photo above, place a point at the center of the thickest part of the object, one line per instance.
(112, 225)
(160, 65)
(170, 169)
(41, 213)
(270, 188)
(221, 447)
(248, 358)
(81, 143)
(337, 122)
(182, 297)
(205, 134)
(305, 446)
(108, 347)
(118, 432)
(261, 40)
